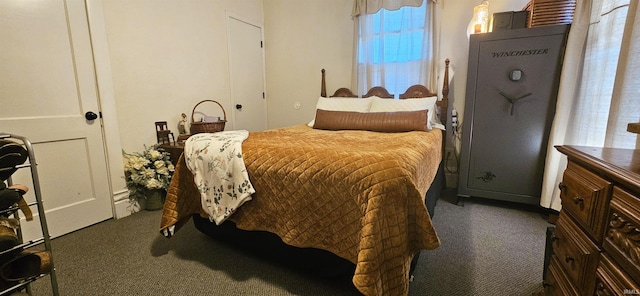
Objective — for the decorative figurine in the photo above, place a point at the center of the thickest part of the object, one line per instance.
(182, 125)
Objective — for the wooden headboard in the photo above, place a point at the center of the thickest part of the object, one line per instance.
(414, 91)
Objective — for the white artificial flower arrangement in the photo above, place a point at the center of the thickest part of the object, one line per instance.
(151, 169)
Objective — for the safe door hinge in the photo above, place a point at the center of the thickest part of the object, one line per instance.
(261, 45)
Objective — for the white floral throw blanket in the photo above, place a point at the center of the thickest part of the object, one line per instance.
(215, 160)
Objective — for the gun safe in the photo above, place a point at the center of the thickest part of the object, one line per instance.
(512, 85)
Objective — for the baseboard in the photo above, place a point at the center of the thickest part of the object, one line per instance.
(123, 206)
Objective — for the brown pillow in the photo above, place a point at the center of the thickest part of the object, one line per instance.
(388, 122)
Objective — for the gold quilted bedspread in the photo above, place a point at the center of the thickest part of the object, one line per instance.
(357, 194)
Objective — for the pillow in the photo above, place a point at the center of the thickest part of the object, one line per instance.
(387, 122)
(343, 104)
(389, 105)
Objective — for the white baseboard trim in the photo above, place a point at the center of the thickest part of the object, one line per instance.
(123, 206)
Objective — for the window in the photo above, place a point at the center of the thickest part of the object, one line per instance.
(395, 39)
(395, 49)
(598, 90)
(594, 111)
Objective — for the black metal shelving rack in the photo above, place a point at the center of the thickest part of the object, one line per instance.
(45, 239)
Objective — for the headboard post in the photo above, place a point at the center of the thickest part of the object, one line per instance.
(444, 105)
(323, 87)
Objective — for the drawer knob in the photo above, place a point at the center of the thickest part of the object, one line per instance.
(569, 259)
(578, 200)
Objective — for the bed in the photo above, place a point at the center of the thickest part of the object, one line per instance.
(357, 200)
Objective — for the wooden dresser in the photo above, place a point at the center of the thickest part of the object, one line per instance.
(596, 244)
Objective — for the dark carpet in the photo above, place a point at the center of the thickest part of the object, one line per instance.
(488, 248)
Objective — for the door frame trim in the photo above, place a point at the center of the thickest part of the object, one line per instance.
(106, 100)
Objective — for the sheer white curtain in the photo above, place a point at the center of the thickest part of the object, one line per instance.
(589, 112)
(396, 48)
(625, 104)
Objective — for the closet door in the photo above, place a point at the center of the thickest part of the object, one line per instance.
(512, 86)
(246, 61)
(47, 86)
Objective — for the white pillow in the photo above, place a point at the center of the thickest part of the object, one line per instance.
(342, 104)
(393, 105)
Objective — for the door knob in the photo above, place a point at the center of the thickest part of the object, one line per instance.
(90, 115)
(238, 106)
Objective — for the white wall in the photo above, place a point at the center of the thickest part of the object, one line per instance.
(166, 56)
(303, 37)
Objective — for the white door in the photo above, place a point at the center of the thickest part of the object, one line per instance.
(247, 75)
(47, 84)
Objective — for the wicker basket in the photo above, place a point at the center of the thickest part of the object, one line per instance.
(207, 127)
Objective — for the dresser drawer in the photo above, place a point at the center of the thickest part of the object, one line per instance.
(611, 280)
(622, 239)
(585, 196)
(557, 282)
(576, 253)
